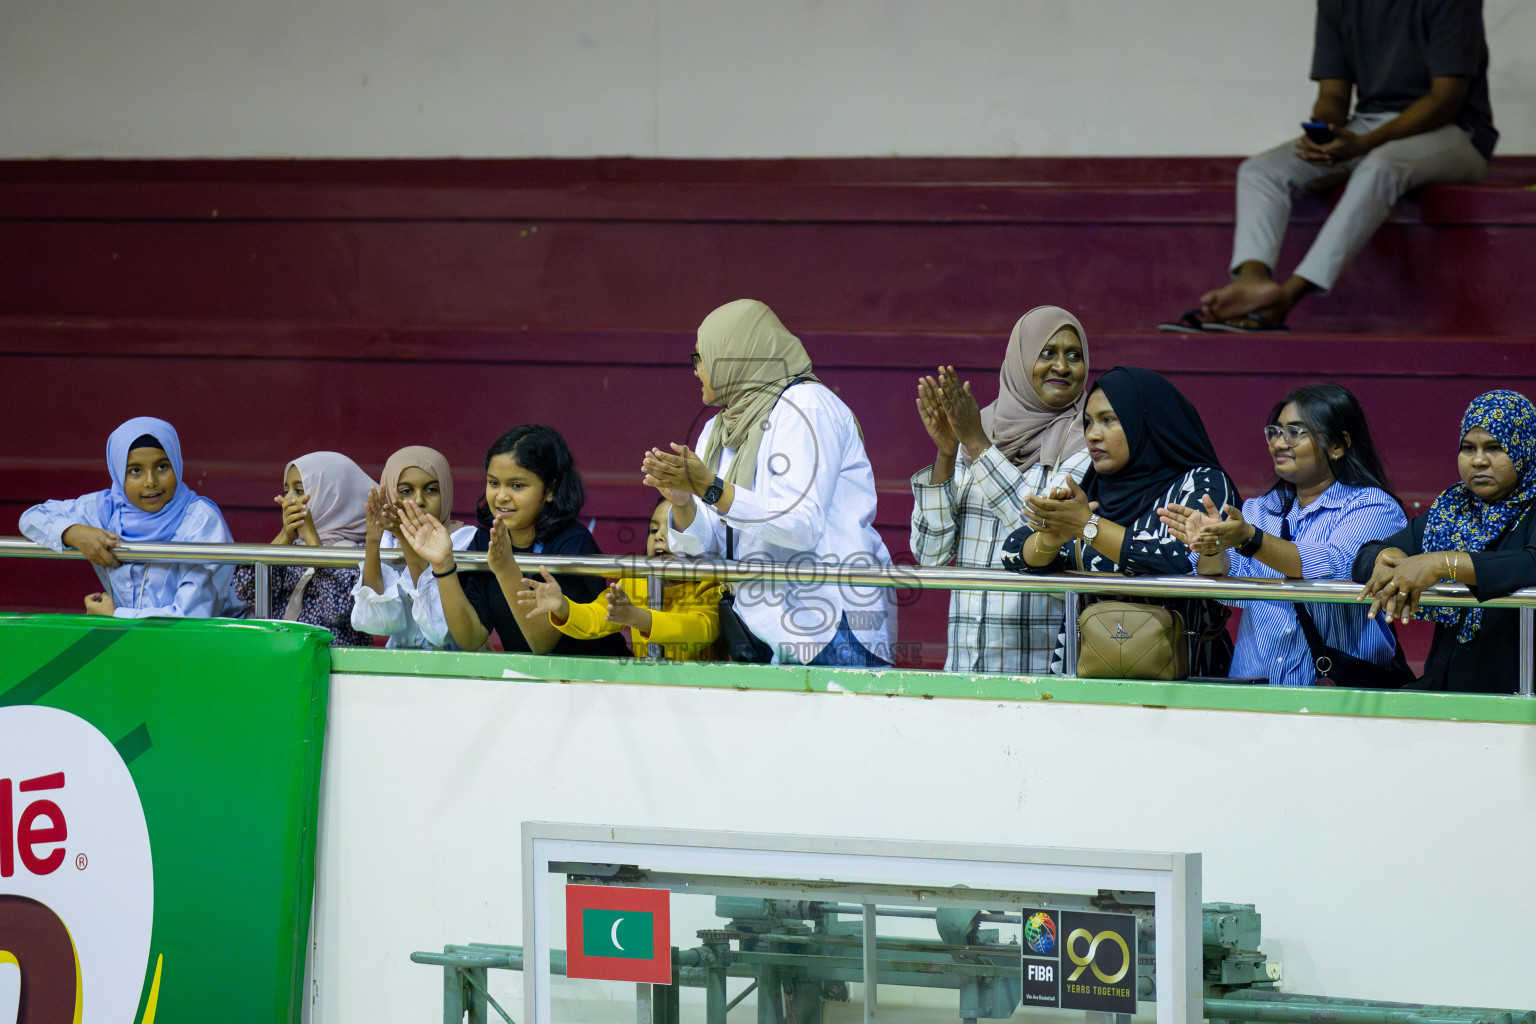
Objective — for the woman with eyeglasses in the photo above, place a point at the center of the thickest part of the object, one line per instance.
(1330, 496)
(1479, 532)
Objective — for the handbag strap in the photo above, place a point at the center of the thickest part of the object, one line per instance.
(729, 533)
(1308, 627)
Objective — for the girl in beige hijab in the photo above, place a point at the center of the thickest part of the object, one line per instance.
(400, 601)
(965, 505)
(782, 478)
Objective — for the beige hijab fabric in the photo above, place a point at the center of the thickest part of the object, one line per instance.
(750, 358)
(429, 461)
(1019, 423)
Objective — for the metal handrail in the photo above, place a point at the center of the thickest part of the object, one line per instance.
(914, 577)
(808, 572)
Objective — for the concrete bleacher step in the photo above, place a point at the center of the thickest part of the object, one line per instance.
(312, 385)
(845, 245)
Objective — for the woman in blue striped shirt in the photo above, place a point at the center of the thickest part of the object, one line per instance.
(1331, 496)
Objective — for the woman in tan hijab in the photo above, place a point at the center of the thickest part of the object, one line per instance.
(783, 478)
(401, 603)
(1027, 442)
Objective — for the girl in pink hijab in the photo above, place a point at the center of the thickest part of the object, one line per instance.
(1029, 441)
(324, 504)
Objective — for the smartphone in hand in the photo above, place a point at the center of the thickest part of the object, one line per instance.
(1318, 132)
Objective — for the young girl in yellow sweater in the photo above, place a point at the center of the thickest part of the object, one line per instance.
(687, 624)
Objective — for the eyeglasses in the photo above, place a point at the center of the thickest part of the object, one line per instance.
(697, 359)
(1293, 434)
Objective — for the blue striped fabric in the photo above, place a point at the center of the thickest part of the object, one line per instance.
(1327, 533)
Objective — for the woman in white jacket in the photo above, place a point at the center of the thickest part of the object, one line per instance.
(783, 479)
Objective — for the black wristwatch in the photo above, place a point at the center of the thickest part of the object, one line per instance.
(1250, 547)
(713, 492)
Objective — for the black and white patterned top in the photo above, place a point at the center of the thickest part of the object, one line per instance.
(1150, 550)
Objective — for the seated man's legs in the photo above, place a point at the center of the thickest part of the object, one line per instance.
(1265, 184)
(1443, 156)
(1376, 182)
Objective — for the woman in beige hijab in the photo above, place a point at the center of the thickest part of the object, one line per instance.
(966, 504)
(782, 478)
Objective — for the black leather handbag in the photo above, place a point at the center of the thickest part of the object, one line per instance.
(740, 643)
(1335, 668)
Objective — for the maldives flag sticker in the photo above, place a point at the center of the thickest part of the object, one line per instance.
(615, 933)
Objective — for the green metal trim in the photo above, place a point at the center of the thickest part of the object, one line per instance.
(1456, 707)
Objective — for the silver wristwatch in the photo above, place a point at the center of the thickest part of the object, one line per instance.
(1091, 528)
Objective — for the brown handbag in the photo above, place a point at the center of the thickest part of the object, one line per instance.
(1130, 640)
(1123, 640)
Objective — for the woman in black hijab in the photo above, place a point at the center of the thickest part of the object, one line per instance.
(1149, 449)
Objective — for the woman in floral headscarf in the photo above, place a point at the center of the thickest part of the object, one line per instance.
(1478, 532)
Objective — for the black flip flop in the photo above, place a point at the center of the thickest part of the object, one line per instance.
(1189, 323)
(1248, 323)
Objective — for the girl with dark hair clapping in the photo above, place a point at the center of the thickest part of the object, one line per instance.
(1330, 496)
(532, 497)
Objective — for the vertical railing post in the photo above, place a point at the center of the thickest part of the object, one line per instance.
(871, 965)
(654, 586)
(263, 592)
(1527, 636)
(1069, 664)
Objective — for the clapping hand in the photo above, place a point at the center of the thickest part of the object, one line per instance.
(382, 515)
(961, 410)
(1203, 530)
(1059, 516)
(930, 408)
(678, 474)
(428, 536)
(544, 598)
(625, 612)
(501, 555)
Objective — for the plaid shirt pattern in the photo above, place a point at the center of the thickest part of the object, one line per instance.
(964, 522)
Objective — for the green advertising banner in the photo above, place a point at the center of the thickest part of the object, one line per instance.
(159, 789)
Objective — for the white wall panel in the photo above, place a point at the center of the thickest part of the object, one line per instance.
(675, 78)
(1390, 858)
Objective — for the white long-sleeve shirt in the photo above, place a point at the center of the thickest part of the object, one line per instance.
(145, 589)
(813, 499)
(410, 614)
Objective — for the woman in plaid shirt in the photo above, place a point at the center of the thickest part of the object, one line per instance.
(964, 505)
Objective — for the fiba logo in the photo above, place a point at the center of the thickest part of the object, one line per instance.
(1040, 932)
(76, 875)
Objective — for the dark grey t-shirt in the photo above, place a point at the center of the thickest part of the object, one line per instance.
(1390, 49)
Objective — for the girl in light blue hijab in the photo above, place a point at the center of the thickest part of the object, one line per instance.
(148, 502)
